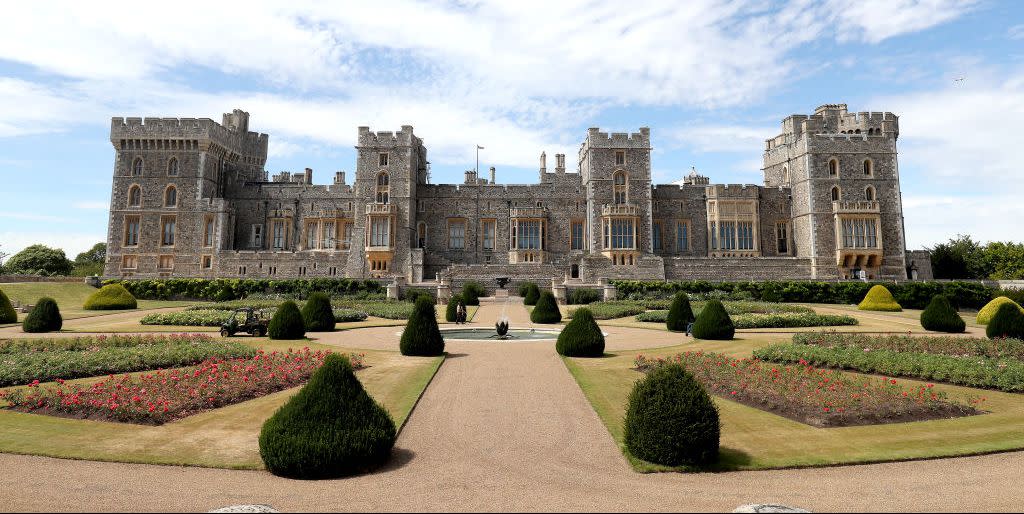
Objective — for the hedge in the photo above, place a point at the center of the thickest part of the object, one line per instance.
(532, 293)
(452, 309)
(287, 322)
(471, 293)
(582, 337)
(774, 320)
(7, 312)
(955, 346)
(1008, 322)
(584, 296)
(989, 310)
(879, 299)
(714, 323)
(546, 311)
(940, 316)
(680, 314)
(110, 297)
(911, 295)
(222, 289)
(45, 317)
(317, 313)
(612, 310)
(421, 336)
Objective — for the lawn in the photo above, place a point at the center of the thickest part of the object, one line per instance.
(70, 296)
(222, 438)
(754, 439)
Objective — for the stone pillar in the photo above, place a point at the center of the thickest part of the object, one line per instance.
(558, 289)
(610, 292)
(393, 291)
(444, 291)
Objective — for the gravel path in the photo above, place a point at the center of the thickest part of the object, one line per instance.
(503, 426)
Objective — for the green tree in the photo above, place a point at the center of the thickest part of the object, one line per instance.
(1004, 261)
(40, 259)
(961, 257)
(421, 336)
(91, 261)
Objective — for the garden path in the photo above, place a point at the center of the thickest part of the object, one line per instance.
(503, 426)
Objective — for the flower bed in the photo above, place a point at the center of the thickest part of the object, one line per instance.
(776, 320)
(940, 345)
(161, 396)
(612, 310)
(21, 362)
(193, 318)
(818, 397)
(343, 315)
(385, 309)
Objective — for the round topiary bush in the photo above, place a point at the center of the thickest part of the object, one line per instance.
(532, 294)
(1007, 322)
(7, 312)
(671, 420)
(714, 323)
(109, 297)
(582, 337)
(680, 314)
(421, 336)
(317, 314)
(879, 299)
(330, 428)
(452, 308)
(471, 293)
(940, 316)
(45, 317)
(546, 311)
(287, 322)
(989, 310)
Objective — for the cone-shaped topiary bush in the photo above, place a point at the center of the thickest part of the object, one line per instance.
(7, 312)
(546, 311)
(1007, 322)
(452, 308)
(582, 337)
(940, 316)
(532, 294)
(317, 314)
(330, 428)
(879, 299)
(287, 322)
(714, 322)
(471, 293)
(421, 336)
(989, 310)
(680, 314)
(671, 420)
(109, 297)
(45, 317)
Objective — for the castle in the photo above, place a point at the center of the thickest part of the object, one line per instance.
(191, 198)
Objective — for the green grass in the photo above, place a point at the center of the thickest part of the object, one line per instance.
(221, 438)
(70, 297)
(754, 439)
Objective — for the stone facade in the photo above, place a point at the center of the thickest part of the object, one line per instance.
(191, 198)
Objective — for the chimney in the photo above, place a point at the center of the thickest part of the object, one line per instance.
(339, 177)
(543, 163)
(470, 177)
(493, 179)
(559, 163)
(309, 175)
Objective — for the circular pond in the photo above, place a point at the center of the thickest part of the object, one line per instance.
(488, 334)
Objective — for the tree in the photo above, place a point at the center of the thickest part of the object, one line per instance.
(422, 337)
(546, 311)
(680, 314)
(287, 322)
(714, 323)
(45, 317)
(582, 337)
(961, 257)
(317, 314)
(91, 261)
(940, 316)
(39, 259)
(1004, 261)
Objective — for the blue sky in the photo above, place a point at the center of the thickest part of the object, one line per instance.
(712, 79)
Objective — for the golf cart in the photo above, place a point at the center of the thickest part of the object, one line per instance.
(253, 324)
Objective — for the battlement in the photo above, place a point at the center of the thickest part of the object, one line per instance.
(733, 191)
(204, 130)
(403, 137)
(598, 139)
(830, 120)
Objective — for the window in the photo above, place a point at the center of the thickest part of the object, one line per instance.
(167, 230)
(785, 174)
(421, 235)
(383, 187)
(489, 227)
(172, 167)
(312, 238)
(682, 236)
(782, 237)
(134, 196)
(576, 236)
(619, 234)
(745, 231)
(165, 262)
(131, 230)
(869, 194)
(620, 188)
(207, 262)
(129, 262)
(278, 230)
(656, 235)
(346, 240)
(382, 159)
(620, 158)
(256, 236)
(833, 168)
(457, 235)
(869, 168)
(329, 235)
(526, 235)
(732, 235)
(208, 231)
(137, 167)
(836, 195)
(380, 231)
(860, 233)
(171, 197)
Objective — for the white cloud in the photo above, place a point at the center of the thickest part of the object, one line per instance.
(723, 138)
(877, 20)
(30, 216)
(97, 205)
(1016, 32)
(933, 219)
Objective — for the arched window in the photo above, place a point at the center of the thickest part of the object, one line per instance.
(869, 194)
(869, 168)
(620, 187)
(383, 187)
(856, 131)
(833, 167)
(137, 167)
(785, 174)
(421, 235)
(134, 196)
(836, 195)
(171, 197)
(172, 167)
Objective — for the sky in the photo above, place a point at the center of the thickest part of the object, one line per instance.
(712, 79)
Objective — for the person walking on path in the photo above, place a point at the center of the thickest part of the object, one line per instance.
(460, 314)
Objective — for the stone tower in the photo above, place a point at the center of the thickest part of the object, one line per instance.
(843, 173)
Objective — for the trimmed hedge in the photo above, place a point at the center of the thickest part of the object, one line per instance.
(330, 428)
(223, 289)
(680, 314)
(7, 312)
(110, 297)
(546, 311)
(317, 314)
(343, 315)
(471, 293)
(45, 317)
(1008, 322)
(421, 336)
(411, 295)
(714, 323)
(912, 295)
(940, 316)
(582, 337)
(773, 320)
(879, 299)
(612, 309)
(955, 346)
(532, 294)
(287, 322)
(452, 308)
(671, 420)
(989, 310)
(584, 296)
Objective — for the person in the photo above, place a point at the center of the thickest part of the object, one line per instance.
(689, 328)
(460, 314)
